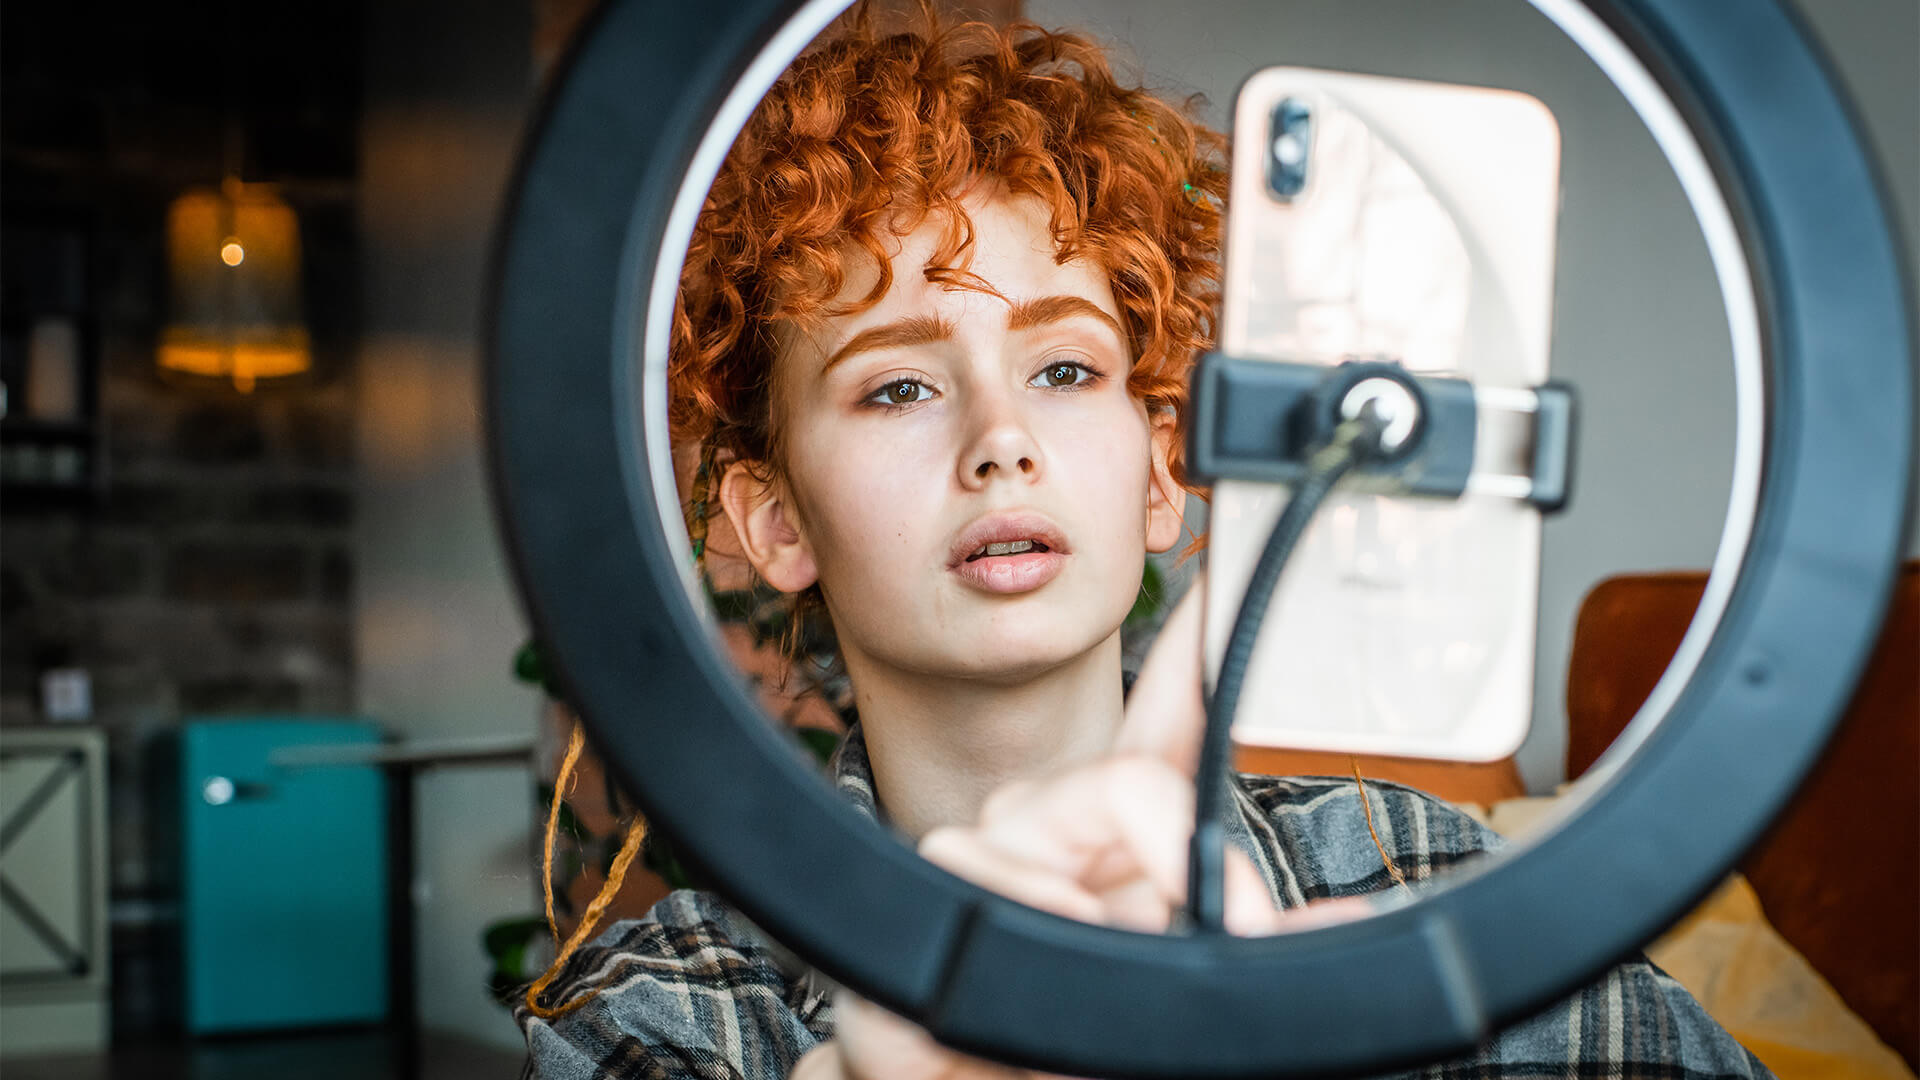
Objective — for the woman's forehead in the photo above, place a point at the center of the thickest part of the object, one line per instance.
(1013, 261)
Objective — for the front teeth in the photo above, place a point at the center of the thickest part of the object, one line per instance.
(1013, 548)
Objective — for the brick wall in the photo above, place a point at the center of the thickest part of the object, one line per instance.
(213, 572)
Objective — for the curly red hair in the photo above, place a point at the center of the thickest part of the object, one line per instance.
(870, 135)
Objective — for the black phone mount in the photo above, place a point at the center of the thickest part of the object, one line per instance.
(585, 271)
(1258, 420)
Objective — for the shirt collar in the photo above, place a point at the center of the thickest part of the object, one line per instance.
(852, 773)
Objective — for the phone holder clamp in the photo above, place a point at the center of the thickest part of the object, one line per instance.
(1257, 420)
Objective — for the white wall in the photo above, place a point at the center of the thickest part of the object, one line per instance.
(436, 625)
(1638, 322)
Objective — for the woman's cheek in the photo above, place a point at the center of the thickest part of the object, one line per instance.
(1107, 454)
(868, 494)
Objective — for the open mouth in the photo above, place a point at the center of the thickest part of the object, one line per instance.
(1011, 547)
(1009, 552)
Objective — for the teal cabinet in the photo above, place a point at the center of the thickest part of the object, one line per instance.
(282, 878)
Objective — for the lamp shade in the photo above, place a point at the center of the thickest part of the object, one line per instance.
(234, 295)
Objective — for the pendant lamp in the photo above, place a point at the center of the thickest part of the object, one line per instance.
(234, 294)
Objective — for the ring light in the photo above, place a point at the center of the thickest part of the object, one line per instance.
(586, 265)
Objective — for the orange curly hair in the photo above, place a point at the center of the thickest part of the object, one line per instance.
(872, 135)
(869, 136)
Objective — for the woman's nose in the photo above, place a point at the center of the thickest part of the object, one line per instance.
(1002, 443)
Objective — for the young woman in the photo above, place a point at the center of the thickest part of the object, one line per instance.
(938, 314)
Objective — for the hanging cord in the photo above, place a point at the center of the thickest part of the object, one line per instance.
(1366, 803)
(1353, 442)
(699, 514)
(616, 875)
(562, 787)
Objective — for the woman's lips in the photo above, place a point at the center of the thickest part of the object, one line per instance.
(1006, 527)
(1020, 573)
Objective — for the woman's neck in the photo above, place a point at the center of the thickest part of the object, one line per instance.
(939, 745)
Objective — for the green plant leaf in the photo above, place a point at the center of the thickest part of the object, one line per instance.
(507, 942)
(568, 822)
(510, 935)
(527, 665)
(656, 854)
(821, 742)
(1152, 596)
(530, 666)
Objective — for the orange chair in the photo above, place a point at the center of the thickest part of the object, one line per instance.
(1839, 873)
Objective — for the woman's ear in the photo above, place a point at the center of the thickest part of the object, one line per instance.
(769, 531)
(1166, 499)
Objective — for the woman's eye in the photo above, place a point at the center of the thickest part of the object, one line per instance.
(1062, 374)
(902, 392)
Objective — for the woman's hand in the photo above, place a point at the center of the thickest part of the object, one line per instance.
(1107, 842)
(1103, 843)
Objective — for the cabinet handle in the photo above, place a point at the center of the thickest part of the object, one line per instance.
(221, 790)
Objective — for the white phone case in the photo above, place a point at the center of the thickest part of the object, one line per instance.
(1424, 234)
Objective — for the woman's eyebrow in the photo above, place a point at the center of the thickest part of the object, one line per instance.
(1040, 311)
(926, 329)
(901, 333)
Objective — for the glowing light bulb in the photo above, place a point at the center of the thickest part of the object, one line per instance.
(215, 327)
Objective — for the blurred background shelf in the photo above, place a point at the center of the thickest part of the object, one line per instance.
(54, 968)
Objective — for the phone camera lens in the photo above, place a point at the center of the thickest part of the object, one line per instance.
(1288, 150)
(1289, 145)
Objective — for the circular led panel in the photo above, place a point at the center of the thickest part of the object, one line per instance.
(585, 271)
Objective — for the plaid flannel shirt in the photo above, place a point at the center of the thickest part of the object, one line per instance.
(693, 991)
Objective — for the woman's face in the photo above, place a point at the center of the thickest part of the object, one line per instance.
(966, 475)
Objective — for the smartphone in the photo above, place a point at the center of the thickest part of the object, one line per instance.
(1383, 218)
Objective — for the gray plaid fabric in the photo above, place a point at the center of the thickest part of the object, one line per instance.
(695, 992)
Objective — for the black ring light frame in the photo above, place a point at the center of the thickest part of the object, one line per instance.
(585, 269)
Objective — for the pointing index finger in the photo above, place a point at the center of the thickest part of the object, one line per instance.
(1165, 714)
